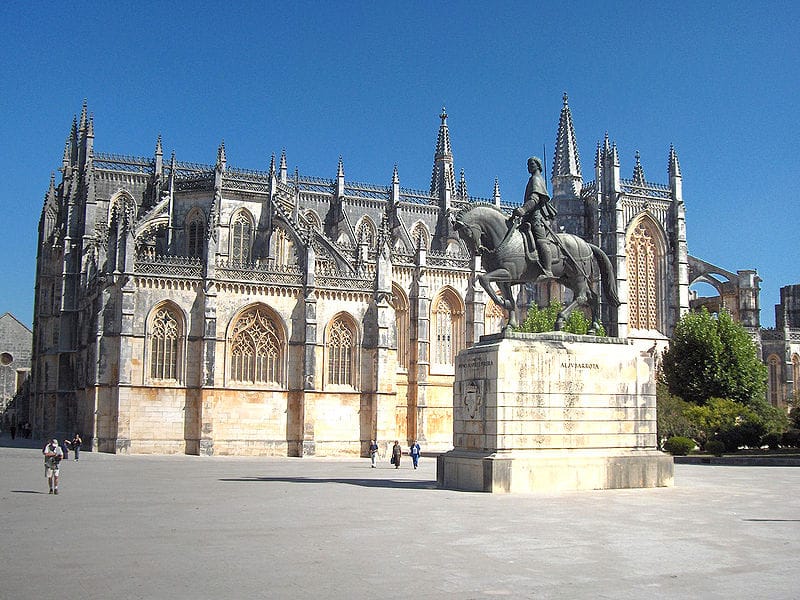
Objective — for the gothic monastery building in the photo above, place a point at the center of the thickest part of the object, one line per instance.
(210, 309)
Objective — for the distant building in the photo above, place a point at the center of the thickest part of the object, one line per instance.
(780, 349)
(15, 366)
(204, 309)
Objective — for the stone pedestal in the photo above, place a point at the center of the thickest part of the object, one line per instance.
(551, 412)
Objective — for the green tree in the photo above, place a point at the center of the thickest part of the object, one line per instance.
(670, 414)
(539, 320)
(717, 417)
(714, 357)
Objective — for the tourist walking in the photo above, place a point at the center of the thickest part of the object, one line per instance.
(414, 453)
(397, 452)
(373, 452)
(52, 458)
(76, 445)
(65, 448)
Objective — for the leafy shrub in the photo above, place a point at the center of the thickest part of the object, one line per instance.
(540, 320)
(732, 438)
(791, 438)
(679, 446)
(715, 447)
(772, 440)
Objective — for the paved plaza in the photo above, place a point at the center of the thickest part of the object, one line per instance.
(177, 527)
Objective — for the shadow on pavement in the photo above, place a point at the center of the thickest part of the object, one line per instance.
(26, 492)
(375, 483)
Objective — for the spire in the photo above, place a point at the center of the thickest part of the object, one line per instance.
(340, 178)
(73, 141)
(395, 176)
(566, 162)
(159, 156)
(638, 172)
(462, 187)
(84, 111)
(674, 168)
(675, 179)
(443, 178)
(172, 172)
(283, 166)
(66, 158)
(496, 193)
(272, 165)
(598, 156)
(221, 159)
(614, 155)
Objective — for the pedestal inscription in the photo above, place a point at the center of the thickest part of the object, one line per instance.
(553, 411)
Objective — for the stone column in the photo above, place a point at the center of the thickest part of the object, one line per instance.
(476, 305)
(208, 383)
(419, 367)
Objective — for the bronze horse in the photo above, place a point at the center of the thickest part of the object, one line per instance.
(576, 263)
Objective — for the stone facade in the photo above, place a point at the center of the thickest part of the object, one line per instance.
(780, 349)
(15, 366)
(639, 224)
(209, 309)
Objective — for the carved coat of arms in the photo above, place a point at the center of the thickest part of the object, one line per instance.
(473, 400)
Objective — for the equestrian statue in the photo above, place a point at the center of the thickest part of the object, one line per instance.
(524, 248)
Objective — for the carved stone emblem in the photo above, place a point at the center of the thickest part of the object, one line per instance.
(473, 400)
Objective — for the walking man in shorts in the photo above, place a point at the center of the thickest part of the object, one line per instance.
(52, 458)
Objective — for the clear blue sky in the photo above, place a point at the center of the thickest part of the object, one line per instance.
(367, 80)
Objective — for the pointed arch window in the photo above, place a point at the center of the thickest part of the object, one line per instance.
(644, 259)
(774, 368)
(282, 248)
(241, 238)
(165, 338)
(341, 348)
(447, 327)
(420, 236)
(796, 377)
(402, 326)
(493, 318)
(366, 232)
(195, 236)
(257, 348)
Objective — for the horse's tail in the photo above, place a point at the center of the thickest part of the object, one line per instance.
(607, 273)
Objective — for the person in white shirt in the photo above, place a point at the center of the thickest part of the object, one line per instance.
(52, 458)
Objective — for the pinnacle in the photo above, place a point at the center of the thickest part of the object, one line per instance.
(566, 161)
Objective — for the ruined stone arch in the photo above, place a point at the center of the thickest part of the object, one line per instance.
(256, 347)
(646, 262)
